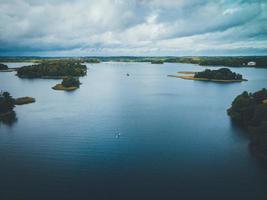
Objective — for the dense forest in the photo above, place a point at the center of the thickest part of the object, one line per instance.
(3, 66)
(7, 103)
(250, 111)
(220, 74)
(52, 69)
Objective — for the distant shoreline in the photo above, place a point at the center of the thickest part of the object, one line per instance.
(259, 61)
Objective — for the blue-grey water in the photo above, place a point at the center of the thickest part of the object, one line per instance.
(143, 136)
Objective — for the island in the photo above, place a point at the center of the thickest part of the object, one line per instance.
(224, 75)
(68, 84)
(249, 110)
(24, 100)
(52, 70)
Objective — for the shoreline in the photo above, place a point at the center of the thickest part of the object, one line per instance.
(24, 100)
(42, 77)
(206, 79)
(185, 72)
(6, 113)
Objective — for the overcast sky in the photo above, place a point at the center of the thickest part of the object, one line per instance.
(133, 27)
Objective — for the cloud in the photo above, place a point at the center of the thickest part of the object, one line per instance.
(132, 27)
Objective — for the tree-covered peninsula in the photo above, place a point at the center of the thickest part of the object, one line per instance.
(7, 103)
(52, 70)
(68, 83)
(250, 111)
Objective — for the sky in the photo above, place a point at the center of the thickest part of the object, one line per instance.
(133, 27)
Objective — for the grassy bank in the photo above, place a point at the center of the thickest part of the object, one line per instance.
(24, 100)
(206, 79)
(61, 87)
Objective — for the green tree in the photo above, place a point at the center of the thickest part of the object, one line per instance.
(70, 82)
(7, 103)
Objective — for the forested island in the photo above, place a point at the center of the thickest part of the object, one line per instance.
(249, 110)
(52, 70)
(68, 83)
(220, 75)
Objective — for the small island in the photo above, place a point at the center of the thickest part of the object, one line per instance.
(52, 70)
(68, 84)
(24, 100)
(224, 75)
(249, 110)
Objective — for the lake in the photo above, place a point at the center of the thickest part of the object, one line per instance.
(143, 136)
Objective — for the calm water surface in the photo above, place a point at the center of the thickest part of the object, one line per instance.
(176, 140)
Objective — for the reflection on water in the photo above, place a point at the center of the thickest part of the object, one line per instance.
(239, 130)
(9, 119)
(143, 136)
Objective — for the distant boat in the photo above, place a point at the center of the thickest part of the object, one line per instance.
(117, 135)
(127, 74)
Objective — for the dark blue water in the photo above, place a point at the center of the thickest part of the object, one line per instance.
(176, 140)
